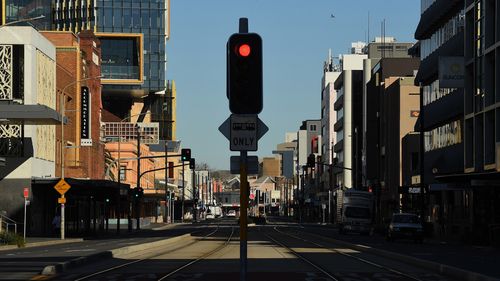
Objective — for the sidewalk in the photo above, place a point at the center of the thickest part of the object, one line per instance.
(47, 241)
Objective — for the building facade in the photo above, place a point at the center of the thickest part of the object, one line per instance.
(348, 126)
(27, 114)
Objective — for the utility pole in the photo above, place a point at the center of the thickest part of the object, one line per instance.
(137, 209)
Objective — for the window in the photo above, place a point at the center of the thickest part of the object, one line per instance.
(123, 173)
(414, 162)
(444, 136)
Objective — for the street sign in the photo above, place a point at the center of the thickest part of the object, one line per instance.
(252, 165)
(61, 200)
(243, 131)
(62, 186)
(26, 192)
(243, 136)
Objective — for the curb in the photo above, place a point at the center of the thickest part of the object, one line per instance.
(447, 270)
(64, 266)
(41, 243)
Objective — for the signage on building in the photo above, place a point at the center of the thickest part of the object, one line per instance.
(451, 72)
(85, 118)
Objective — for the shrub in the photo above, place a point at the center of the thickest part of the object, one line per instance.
(10, 238)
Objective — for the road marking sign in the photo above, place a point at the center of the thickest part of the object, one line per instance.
(62, 186)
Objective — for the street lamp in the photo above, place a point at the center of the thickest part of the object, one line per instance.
(62, 105)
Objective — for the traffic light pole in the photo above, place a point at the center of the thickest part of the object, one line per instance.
(137, 204)
(243, 215)
(182, 200)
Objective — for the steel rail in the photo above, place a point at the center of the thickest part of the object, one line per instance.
(348, 255)
(200, 258)
(302, 257)
(148, 258)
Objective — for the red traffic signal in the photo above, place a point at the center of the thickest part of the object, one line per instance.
(244, 50)
(244, 73)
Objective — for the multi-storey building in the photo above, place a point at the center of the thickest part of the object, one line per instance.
(391, 112)
(440, 76)
(481, 128)
(331, 72)
(348, 126)
(27, 114)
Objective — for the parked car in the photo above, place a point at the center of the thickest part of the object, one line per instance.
(209, 215)
(405, 225)
(231, 214)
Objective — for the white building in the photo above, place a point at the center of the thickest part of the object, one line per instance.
(27, 112)
(349, 113)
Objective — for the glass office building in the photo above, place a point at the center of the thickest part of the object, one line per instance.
(133, 38)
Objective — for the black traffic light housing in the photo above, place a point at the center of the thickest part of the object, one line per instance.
(244, 73)
(185, 154)
(310, 160)
(192, 164)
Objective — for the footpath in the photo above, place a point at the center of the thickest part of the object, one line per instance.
(48, 256)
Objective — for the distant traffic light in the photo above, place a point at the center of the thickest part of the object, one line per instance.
(185, 154)
(310, 160)
(192, 164)
(244, 73)
(170, 169)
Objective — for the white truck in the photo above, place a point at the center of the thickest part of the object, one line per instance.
(355, 211)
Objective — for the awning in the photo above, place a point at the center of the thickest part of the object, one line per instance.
(37, 113)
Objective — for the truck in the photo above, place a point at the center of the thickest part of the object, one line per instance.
(355, 211)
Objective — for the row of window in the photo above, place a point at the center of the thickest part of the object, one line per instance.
(442, 35)
(425, 4)
(444, 136)
(433, 92)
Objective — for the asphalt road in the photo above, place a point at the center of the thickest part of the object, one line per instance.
(274, 252)
(279, 250)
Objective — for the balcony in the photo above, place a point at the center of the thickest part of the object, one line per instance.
(428, 70)
(435, 16)
(444, 109)
(339, 103)
(339, 125)
(339, 146)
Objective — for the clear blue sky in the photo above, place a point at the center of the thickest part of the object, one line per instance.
(296, 37)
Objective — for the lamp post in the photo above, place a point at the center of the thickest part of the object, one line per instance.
(119, 170)
(62, 109)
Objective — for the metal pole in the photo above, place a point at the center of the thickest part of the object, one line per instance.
(182, 200)
(137, 209)
(195, 197)
(118, 205)
(62, 163)
(166, 178)
(243, 215)
(329, 206)
(24, 228)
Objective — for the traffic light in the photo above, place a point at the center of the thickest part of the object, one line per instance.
(310, 160)
(244, 73)
(192, 164)
(185, 154)
(170, 169)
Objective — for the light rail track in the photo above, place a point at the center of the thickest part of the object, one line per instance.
(179, 269)
(383, 267)
(124, 265)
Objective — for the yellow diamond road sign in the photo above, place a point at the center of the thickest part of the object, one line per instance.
(62, 186)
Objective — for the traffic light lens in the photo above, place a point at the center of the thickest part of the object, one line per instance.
(244, 50)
